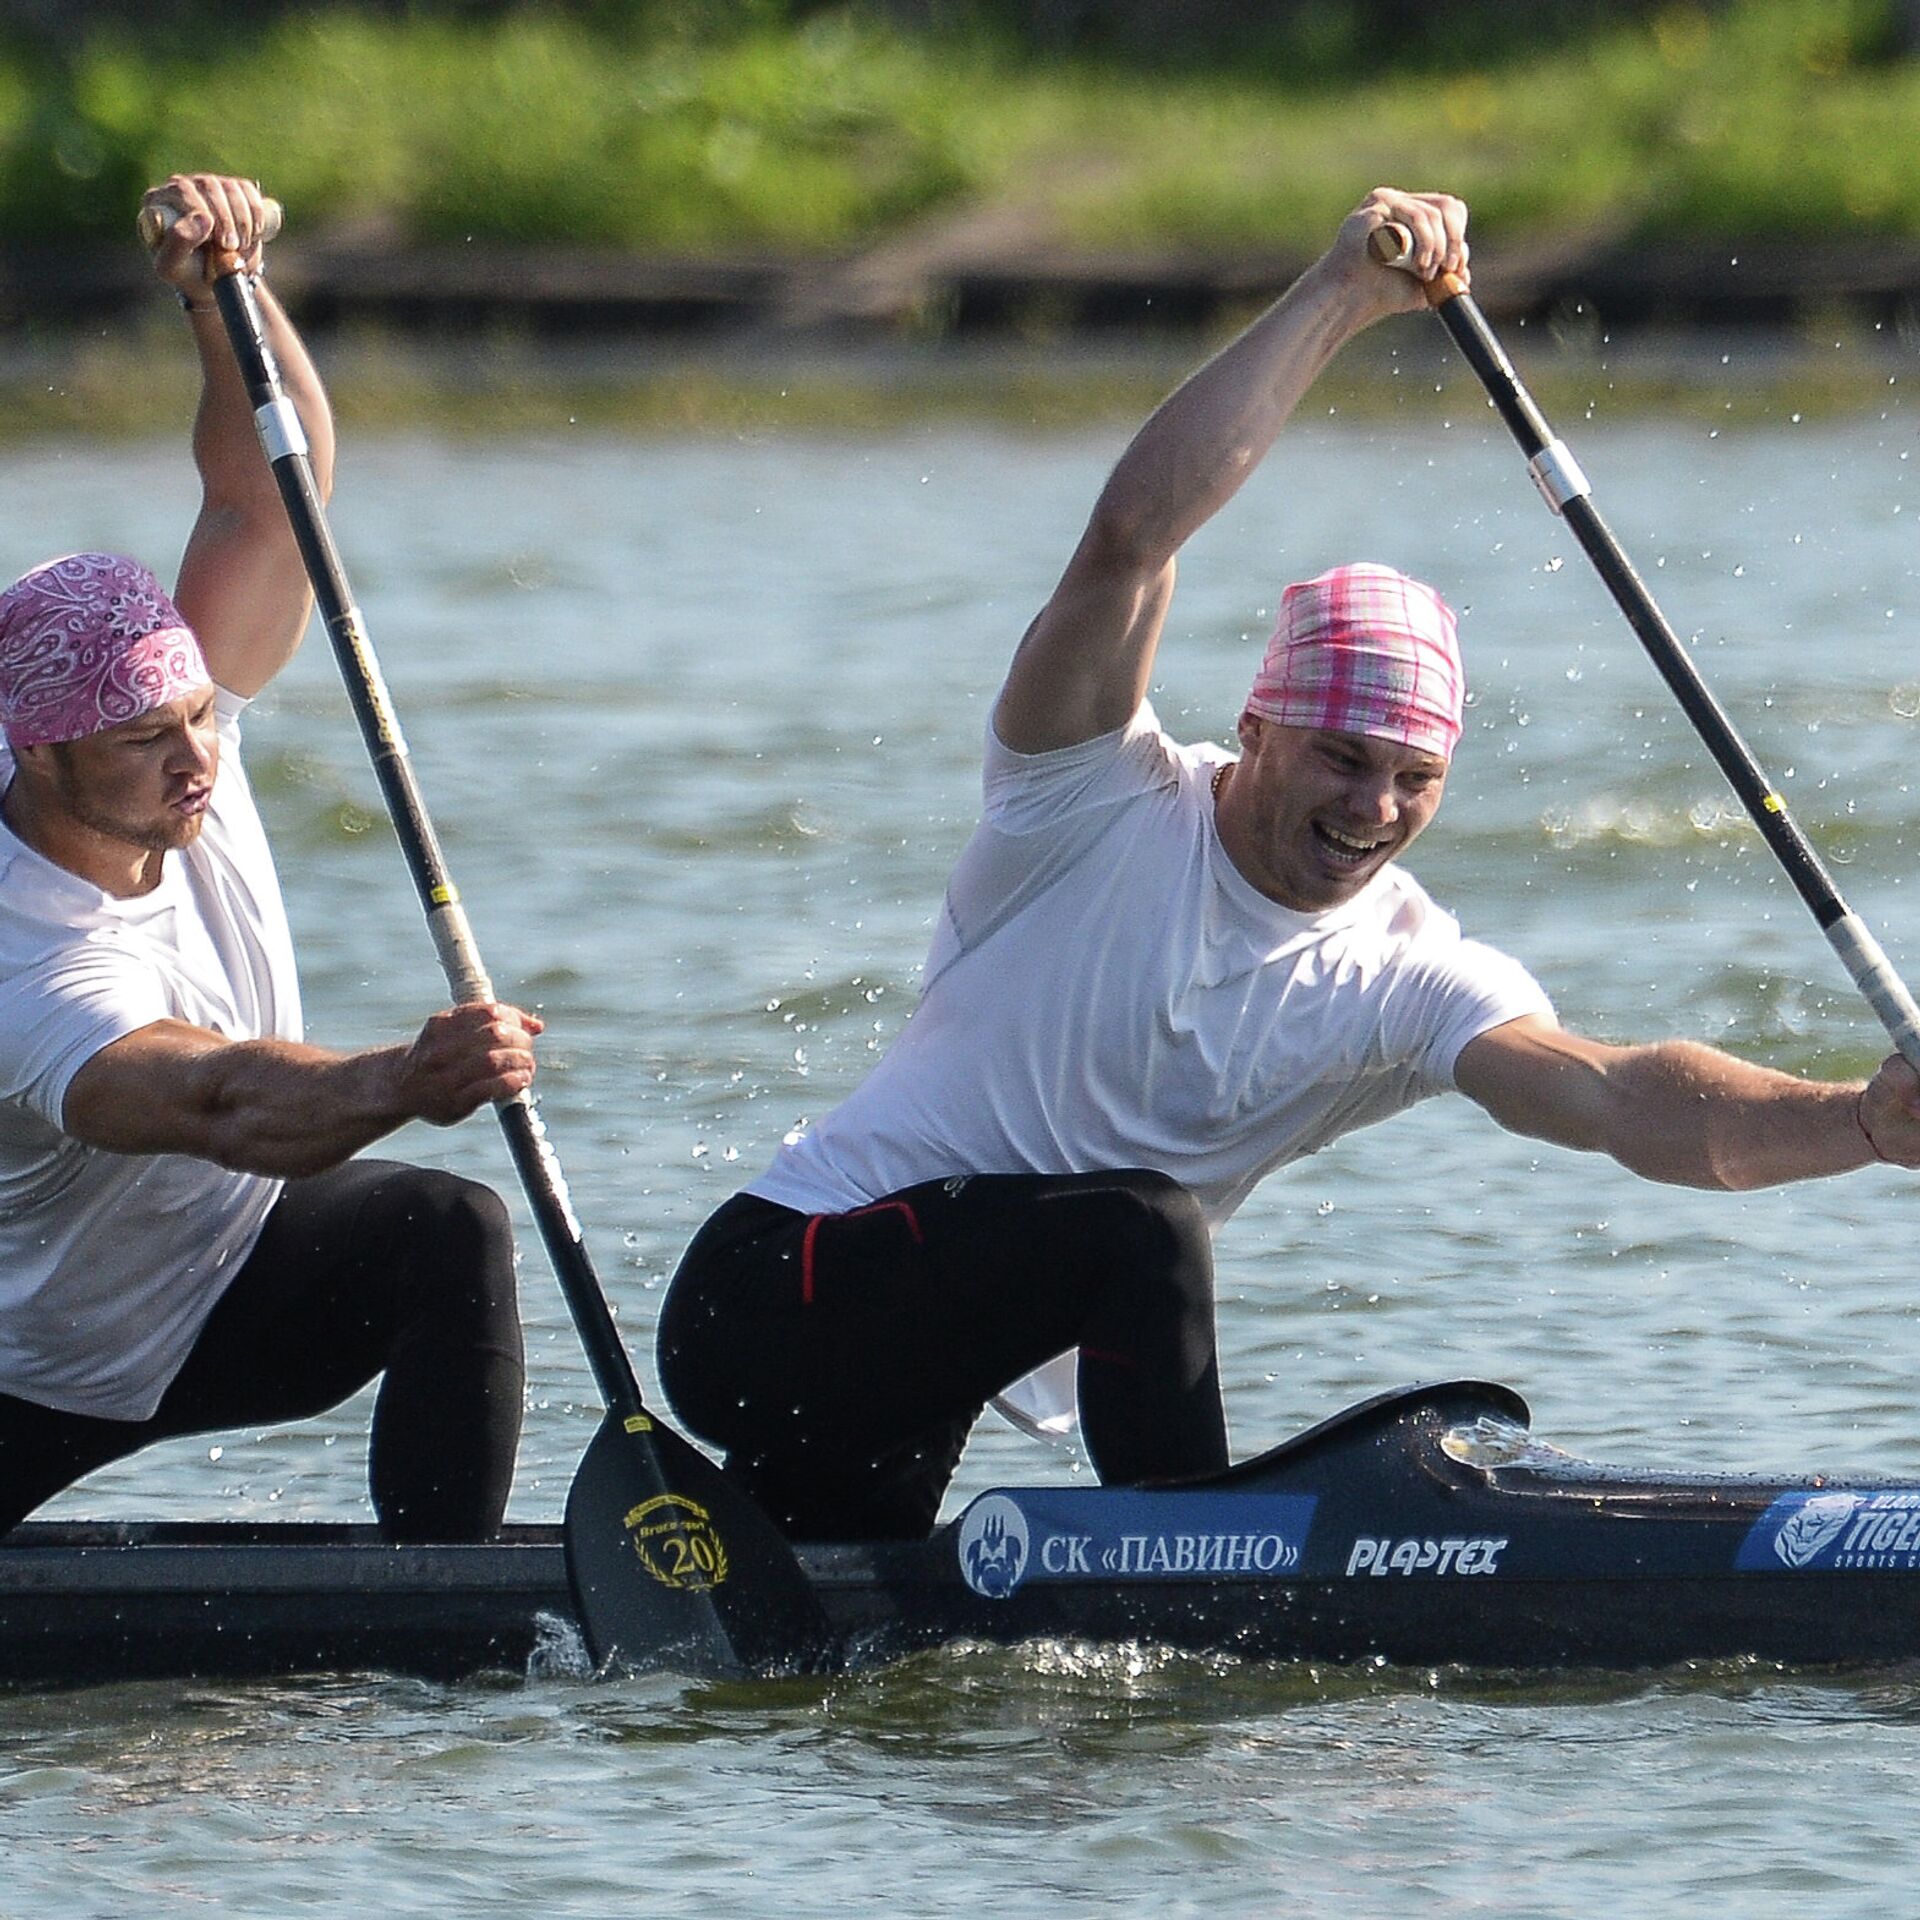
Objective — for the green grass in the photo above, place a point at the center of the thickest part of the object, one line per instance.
(531, 130)
(1757, 117)
(141, 382)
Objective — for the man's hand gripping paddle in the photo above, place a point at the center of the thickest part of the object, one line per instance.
(671, 1565)
(1564, 488)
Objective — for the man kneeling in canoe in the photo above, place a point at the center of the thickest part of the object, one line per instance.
(1161, 973)
(185, 1240)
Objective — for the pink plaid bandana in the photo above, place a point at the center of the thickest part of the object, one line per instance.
(1363, 649)
(87, 642)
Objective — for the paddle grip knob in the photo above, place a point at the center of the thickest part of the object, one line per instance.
(153, 222)
(1392, 245)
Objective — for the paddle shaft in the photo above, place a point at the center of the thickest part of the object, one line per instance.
(285, 442)
(1564, 488)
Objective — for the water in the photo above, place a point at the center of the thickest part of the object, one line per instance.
(699, 721)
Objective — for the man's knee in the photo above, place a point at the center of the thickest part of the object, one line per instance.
(1151, 1221)
(1148, 1254)
(448, 1205)
(1169, 1205)
(458, 1233)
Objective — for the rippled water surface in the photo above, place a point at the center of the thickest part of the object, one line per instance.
(699, 720)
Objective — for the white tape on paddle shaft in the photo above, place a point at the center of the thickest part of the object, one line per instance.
(453, 942)
(279, 427)
(1557, 474)
(1886, 993)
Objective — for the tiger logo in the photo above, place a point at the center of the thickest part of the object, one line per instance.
(1816, 1525)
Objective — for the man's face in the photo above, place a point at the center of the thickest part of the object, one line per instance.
(1309, 817)
(146, 782)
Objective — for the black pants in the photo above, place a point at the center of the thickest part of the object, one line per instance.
(371, 1268)
(841, 1359)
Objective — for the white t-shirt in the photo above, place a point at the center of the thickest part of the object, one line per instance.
(111, 1262)
(1106, 989)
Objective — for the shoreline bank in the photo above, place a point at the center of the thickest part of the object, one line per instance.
(943, 288)
(126, 381)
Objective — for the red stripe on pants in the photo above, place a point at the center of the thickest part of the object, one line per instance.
(813, 1233)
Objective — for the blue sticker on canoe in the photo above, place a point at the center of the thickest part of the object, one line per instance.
(1833, 1531)
(1005, 1540)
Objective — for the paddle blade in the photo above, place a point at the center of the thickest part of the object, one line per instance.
(673, 1567)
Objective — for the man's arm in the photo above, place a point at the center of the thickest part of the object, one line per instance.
(242, 586)
(284, 1109)
(1086, 661)
(1688, 1114)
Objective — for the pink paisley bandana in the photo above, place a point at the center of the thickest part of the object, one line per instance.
(87, 642)
(1363, 649)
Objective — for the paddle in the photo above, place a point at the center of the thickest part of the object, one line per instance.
(671, 1565)
(1564, 488)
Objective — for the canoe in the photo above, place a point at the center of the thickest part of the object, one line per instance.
(1426, 1526)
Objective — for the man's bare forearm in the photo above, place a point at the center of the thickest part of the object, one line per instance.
(274, 1107)
(1084, 664)
(226, 446)
(1203, 442)
(1688, 1114)
(283, 1108)
(1693, 1116)
(242, 585)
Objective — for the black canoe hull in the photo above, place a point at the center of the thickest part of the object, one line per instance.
(1425, 1527)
